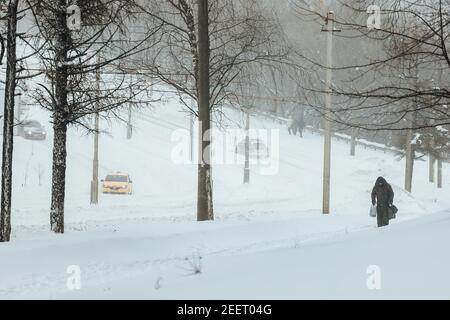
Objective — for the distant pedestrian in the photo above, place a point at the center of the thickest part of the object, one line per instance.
(383, 198)
(301, 125)
(292, 126)
(296, 122)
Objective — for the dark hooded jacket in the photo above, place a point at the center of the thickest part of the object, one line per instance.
(382, 193)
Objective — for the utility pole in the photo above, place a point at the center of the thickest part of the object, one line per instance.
(439, 156)
(276, 109)
(439, 173)
(247, 148)
(130, 105)
(410, 149)
(329, 29)
(410, 152)
(129, 126)
(431, 155)
(431, 162)
(353, 143)
(409, 157)
(94, 182)
(18, 124)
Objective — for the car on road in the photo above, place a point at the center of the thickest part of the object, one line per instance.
(257, 148)
(117, 183)
(33, 130)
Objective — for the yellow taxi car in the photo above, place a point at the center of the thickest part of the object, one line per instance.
(117, 183)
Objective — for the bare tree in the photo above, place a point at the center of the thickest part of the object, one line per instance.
(239, 33)
(204, 195)
(69, 59)
(8, 124)
(409, 31)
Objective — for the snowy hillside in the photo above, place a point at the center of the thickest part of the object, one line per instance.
(136, 246)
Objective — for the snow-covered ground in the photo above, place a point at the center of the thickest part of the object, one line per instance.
(269, 239)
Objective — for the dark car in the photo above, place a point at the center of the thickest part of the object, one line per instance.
(257, 149)
(33, 130)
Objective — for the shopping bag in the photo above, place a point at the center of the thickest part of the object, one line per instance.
(373, 211)
(392, 211)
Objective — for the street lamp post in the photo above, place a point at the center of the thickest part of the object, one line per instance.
(94, 182)
(439, 172)
(247, 148)
(130, 109)
(329, 29)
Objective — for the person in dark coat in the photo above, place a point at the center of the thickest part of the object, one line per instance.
(292, 127)
(296, 122)
(383, 197)
(301, 125)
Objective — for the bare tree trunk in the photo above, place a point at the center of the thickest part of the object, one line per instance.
(432, 166)
(58, 177)
(204, 195)
(8, 124)
(59, 119)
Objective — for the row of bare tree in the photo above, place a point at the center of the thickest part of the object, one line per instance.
(388, 82)
(199, 48)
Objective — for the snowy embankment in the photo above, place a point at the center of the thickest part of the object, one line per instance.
(407, 261)
(269, 239)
